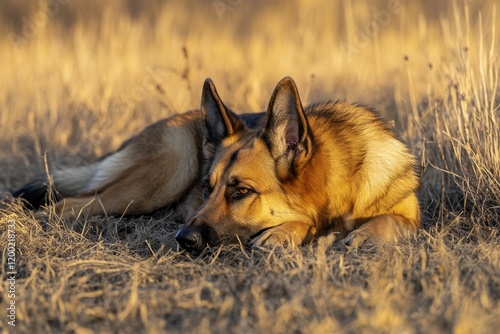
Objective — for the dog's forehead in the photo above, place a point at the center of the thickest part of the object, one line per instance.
(241, 159)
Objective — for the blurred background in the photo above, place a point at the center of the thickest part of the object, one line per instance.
(78, 77)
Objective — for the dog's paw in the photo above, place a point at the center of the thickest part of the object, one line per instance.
(287, 235)
(381, 230)
(272, 238)
(358, 237)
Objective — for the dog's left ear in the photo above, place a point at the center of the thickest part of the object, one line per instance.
(287, 131)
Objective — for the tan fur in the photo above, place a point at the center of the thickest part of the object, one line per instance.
(161, 166)
(278, 178)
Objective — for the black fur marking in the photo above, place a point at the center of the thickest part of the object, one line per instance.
(232, 160)
(35, 193)
(253, 121)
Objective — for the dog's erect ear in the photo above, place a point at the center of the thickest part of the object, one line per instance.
(218, 121)
(287, 130)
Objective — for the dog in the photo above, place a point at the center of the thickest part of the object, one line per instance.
(278, 178)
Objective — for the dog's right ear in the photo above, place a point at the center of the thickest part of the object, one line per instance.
(218, 121)
(287, 130)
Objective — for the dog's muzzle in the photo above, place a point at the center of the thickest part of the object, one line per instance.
(189, 240)
(195, 239)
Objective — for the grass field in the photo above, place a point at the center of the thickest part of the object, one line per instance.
(79, 77)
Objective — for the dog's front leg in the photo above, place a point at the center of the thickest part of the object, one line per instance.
(383, 229)
(287, 234)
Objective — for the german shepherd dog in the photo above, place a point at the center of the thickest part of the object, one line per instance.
(277, 178)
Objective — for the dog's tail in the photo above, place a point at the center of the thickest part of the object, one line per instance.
(64, 182)
(35, 193)
(74, 181)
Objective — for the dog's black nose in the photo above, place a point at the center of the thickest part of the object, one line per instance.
(188, 239)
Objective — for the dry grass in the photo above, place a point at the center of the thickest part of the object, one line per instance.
(90, 75)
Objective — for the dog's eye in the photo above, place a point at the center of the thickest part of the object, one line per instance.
(241, 192)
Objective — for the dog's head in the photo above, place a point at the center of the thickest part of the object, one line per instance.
(248, 172)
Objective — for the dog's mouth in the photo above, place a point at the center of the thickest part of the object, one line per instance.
(259, 233)
(256, 235)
